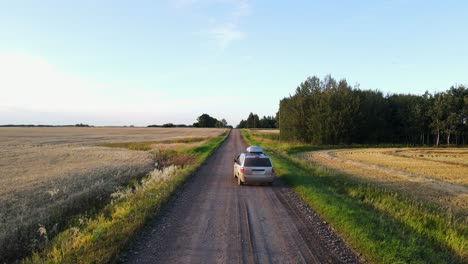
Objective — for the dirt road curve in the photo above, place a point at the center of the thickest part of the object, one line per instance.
(213, 220)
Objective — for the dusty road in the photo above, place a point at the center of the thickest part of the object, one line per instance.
(213, 220)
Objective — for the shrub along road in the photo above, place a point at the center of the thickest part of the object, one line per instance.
(212, 219)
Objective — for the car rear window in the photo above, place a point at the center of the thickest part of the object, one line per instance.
(257, 162)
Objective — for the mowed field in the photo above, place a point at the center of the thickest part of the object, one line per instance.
(268, 131)
(47, 174)
(438, 176)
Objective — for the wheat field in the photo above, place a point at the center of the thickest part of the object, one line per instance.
(437, 169)
(451, 156)
(268, 131)
(96, 135)
(439, 176)
(50, 173)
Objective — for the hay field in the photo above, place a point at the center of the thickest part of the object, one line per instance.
(268, 131)
(439, 176)
(451, 156)
(431, 168)
(48, 174)
(96, 135)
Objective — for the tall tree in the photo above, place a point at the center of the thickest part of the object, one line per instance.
(438, 115)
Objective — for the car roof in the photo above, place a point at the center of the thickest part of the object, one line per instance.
(254, 149)
(255, 155)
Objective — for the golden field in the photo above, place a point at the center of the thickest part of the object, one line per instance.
(439, 176)
(268, 131)
(50, 173)
(96, 135)
(452, 156)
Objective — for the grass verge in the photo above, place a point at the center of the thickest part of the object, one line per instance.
(383, 226)
(100, 239)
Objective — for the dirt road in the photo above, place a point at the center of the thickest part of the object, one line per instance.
(213, 220)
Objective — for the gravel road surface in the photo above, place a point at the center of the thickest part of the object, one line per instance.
(213, 220)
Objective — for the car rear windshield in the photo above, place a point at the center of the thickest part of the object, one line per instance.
(257, 162)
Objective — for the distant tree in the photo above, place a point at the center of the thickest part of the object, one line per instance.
(457, 108)
(370, 122)
(219, 124)
(224, 122)
(206, 120)
(277, 121)
(168, 125)
(82, 125)
(422, 117)
(242, 124)
(253, 121)
(267, 122)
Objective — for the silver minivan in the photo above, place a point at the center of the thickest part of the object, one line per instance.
(253, 167)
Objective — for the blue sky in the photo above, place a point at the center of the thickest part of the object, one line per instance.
(145, 62)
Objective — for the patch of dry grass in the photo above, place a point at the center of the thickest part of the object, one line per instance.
(437, 170)
(48, 174)
(450, 156)
(442, 184)
(268, 131)
(43, 185)
(97, 135)
(154, 145)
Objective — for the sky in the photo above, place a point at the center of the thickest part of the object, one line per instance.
(112, 62)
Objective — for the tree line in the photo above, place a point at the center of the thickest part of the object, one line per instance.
(205, 120)
(253, 121)
(169, 125)
(332, 112)
(31, 125)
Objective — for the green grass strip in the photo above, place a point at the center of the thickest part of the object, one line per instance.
(101, 239)
(383, 226)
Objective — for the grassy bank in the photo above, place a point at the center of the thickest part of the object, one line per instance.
(99, 239)
(379, 224)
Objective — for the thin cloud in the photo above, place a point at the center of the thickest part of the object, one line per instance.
(228, 32)
(224, 35)
(242, 9)
(225, 27)
(183, 3)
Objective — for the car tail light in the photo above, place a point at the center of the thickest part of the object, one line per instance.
(242, 170)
